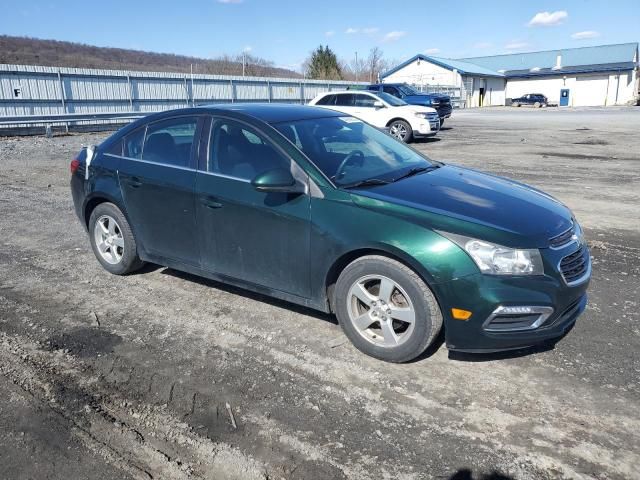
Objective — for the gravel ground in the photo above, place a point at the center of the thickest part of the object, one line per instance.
(164, 375)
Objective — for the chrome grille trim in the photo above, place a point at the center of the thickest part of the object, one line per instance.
(563, 239)
(575, 268)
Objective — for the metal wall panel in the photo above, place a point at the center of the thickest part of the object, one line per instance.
(41, 91)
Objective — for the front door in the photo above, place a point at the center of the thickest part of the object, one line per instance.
(157, 177)
(258, 237)
(564, 97)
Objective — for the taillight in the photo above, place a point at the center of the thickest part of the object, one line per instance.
(75, 164)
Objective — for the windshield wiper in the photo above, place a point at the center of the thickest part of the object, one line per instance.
(366, 183)
(414, 171)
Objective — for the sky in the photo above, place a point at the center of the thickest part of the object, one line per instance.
(286, 31)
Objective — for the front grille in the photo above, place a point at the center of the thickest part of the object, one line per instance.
(562, 239)
(574, 266)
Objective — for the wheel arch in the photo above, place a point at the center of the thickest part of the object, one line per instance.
(96, 199)
(395, 119)
(346, 258)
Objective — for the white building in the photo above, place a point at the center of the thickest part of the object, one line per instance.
(601, 75)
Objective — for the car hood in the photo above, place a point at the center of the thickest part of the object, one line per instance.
(526, 215)
(426, 97)
(414, 109)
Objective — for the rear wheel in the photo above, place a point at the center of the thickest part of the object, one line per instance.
(386, 309)
(112, 240)
(401, 130)
(537, 105)
(515, 104)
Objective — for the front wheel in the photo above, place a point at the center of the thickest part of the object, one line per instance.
(112, 240)
(401, 130)
(386, 309)
(515, 104)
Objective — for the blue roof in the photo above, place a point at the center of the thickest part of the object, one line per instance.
(570, 57)
(573, 60)
(465, 68)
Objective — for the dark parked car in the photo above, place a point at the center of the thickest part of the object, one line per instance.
(319, 208)
(442, 103)
(534, 99)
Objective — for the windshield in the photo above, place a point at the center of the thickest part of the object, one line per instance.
(390, 99)
(407, 90)
(349, 151)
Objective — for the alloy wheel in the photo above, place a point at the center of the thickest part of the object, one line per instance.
(398, 130)
(109, 241)
(381, 311)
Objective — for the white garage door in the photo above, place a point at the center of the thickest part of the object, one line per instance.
(590, 90)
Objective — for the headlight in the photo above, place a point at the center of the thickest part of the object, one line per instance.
(421, 115)
(495, 259)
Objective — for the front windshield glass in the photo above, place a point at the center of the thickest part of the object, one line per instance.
(390, 99)
(407, 90)
(349, 151)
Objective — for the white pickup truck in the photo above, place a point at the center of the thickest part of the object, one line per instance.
(403, 121)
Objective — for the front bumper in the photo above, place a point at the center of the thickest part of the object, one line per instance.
(444, 111)
(484, 295)
(419, 134)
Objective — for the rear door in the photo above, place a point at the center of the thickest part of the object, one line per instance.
(157, 177)
(258, 237)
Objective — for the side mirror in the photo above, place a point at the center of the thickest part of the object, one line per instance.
(378, 104)
(277, 180)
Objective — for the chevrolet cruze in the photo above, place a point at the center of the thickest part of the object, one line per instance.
(321, 209)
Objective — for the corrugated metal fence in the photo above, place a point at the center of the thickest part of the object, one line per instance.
(33, 93)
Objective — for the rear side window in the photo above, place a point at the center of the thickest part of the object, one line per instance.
(170, 141)
(115, 148)
(345, 100)
(327, 100)
(133, 143)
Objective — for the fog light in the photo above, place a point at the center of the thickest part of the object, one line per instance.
(460, 314)
(517, 310)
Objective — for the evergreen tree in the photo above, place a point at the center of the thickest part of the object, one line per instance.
(323, 64)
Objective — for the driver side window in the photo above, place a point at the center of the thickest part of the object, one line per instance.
(238, 151)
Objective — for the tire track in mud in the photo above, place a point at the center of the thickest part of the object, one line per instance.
(133, 437)
(431, 411)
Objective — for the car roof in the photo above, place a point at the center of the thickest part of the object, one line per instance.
(274, 112)
(348, 92)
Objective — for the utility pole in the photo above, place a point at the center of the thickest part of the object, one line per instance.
(357, 66)
(244, 61)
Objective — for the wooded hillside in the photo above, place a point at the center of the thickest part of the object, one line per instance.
(32, 51)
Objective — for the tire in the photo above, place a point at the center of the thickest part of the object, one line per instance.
(403, 129)
(397, 330)
(112, 240)
(537, 105)
(515, 104)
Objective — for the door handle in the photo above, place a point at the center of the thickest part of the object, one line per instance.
(134, 182)
(210, 202)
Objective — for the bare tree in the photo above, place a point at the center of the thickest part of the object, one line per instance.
(355, 69)
(374, 64)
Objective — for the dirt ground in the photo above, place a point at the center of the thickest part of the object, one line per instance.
(164, 375)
